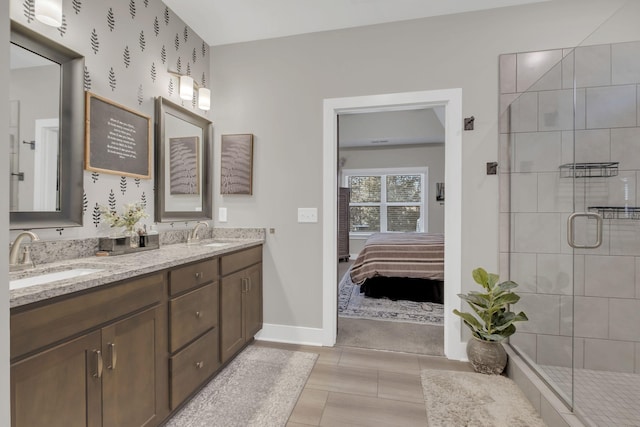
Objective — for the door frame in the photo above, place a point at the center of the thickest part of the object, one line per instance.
(451, 100)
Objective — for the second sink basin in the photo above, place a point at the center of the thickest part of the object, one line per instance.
(217, 244)
(51, 277)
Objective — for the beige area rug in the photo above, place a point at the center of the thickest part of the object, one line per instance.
(353, 304)
(475, 400)
(260, 388)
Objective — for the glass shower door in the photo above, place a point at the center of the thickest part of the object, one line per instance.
(570, 198)
(537, 200)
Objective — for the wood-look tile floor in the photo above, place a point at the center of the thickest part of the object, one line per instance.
(360, 387)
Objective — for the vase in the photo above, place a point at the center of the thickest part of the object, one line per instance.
(134, 239)
(486, 357)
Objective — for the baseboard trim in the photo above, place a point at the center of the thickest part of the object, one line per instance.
(290, 334)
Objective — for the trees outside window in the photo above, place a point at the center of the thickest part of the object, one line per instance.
(387, 200)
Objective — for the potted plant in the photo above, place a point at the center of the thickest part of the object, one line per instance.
(492, 323)
(131, 214)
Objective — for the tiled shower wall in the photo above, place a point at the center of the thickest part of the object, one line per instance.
(537, 136)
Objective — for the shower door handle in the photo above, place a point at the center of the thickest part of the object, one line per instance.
(570, 233)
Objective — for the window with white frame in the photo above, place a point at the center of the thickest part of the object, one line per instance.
(387, 200)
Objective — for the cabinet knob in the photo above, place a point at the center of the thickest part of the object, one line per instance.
(198, 274)
(199, 365)
(198, 314)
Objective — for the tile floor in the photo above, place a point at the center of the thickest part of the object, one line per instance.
(605, 398)
(360, 387)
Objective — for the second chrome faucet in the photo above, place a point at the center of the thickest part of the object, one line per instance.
(193, 235)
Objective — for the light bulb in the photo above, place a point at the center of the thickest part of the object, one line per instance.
(49, 12)
(186, 88)
(204, 99)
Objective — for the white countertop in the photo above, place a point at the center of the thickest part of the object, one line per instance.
(116, 268)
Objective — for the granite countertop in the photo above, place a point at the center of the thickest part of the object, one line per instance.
(116, 268)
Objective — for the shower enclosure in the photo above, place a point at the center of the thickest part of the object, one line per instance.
(570, 216)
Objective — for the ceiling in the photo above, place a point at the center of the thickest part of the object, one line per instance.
(391, 128)
(231, 21)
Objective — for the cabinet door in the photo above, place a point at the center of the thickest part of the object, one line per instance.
(129, 380)
(232, 329)
(253, 301)
(59, 387)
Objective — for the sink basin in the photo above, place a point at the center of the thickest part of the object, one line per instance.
(51, 277)
(217, 244)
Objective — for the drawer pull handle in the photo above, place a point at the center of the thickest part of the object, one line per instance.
(98, 373)
(198, 275)
(199, 365)
(198, 314)
(114, 356)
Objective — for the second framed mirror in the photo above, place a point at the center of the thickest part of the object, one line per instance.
(182, 164)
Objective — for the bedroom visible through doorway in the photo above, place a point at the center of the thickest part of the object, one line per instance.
(390, 177)
(451, 99)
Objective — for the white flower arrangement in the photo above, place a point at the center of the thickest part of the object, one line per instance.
(131, 214)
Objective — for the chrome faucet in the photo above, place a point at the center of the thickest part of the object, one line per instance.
(25, 261)
(193, 235)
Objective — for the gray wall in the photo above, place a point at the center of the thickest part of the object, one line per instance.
(127, 59)
(275, 90)
(4, 219)
(429, 155)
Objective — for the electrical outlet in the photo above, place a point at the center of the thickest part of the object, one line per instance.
(307, 215)
(222, 214)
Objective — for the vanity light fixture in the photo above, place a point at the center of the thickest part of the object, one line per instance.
(204, 99)
(49, 12)
(186, 87)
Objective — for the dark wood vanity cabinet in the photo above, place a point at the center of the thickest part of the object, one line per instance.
(240, 300)
(110, 373)
(58, 387)
(193, 328)
(129, 354)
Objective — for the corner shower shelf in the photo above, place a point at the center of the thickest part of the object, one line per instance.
(617, 212)
(589, 170)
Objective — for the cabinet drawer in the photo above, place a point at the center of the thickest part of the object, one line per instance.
(192, 275)
(193, 365)
(47, 324)
(239, 260)
(192, 314)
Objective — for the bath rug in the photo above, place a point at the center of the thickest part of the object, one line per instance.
(475, 400)
(260, 388)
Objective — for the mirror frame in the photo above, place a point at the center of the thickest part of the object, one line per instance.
(164, 106)
(71, 139)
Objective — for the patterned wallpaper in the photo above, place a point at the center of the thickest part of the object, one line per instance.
(129, 47)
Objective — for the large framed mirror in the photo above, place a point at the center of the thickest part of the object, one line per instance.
(46, 134)
(182, 164)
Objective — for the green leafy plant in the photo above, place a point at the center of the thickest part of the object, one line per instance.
(493, 320)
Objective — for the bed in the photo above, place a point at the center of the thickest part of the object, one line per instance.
(401, 266)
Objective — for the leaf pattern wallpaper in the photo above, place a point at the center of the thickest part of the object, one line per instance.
(129, 47)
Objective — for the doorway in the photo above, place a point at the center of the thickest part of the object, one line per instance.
(389, 164)
(451, 100)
